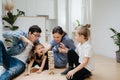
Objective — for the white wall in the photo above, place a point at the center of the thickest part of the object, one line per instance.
(61, 13)
(65, 12)
(74, 13)
(36, 7)
(25, 22)
(105, 14)
(0, 19)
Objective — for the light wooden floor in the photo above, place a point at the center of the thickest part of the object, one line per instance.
(105, 69)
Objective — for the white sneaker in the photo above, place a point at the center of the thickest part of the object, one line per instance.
(2, 69)
(37, 66)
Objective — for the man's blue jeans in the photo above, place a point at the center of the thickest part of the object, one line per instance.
(14, 67)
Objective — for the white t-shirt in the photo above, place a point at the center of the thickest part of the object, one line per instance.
(85, 50)
(24, 55)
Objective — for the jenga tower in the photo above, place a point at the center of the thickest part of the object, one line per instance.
(51, 62)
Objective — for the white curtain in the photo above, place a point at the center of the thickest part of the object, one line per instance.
(86, 11)
(74, 13)
(79, 10)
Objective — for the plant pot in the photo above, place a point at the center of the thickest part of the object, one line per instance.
(118, 56)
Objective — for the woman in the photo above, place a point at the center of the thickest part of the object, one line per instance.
(59, 38)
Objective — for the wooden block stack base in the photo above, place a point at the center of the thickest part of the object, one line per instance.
(51, 73)
(51, 62)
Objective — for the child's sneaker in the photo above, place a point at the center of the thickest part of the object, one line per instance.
(67, 70)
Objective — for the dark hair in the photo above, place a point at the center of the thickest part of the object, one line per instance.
(35, 44)
(32, 55)
(58, 29)
(35, 28)
(84, 30)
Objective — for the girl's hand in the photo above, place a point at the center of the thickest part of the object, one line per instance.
(47, 46)
(44, 50)
(27, 74)
(70, 74)
(39, 71)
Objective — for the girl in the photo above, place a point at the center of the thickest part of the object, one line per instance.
(37, 57)
(60, 37)
(82, 58)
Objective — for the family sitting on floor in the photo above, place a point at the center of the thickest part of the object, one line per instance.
(28, 50)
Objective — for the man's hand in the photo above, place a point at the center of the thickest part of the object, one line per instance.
(27, 41)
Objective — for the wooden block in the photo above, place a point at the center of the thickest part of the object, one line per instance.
(51, 62)
(51, 73)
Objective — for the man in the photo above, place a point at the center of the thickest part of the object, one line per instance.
(13, 59)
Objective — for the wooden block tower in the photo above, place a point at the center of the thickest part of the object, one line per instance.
(51, 62)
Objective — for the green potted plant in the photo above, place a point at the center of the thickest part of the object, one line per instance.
(78, 22)
(10, 18)
(116, 38)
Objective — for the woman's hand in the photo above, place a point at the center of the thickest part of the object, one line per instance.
(70, 74)
(63, 48)
(44, 50)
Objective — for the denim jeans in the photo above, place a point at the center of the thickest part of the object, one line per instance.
(17, 44)
(14, 67)
(17, 48)
(60, 59)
